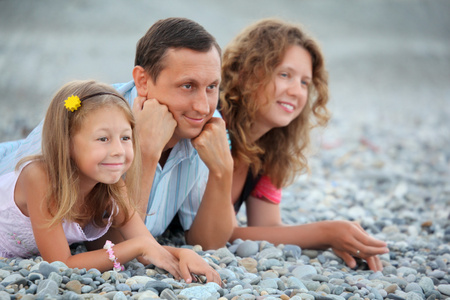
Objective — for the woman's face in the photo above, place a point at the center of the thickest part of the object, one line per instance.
(287, 92)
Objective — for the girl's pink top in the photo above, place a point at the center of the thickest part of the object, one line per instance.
(16, 232)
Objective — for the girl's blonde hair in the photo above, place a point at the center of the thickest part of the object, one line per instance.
(248, 65)
(63, 191)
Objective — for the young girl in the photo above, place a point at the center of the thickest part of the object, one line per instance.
(274, 90)
(74, 191)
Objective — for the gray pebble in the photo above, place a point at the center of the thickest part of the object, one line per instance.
(123, 287)
(293, 251)
(444, 289)
(45, 268)
(47, 287)
(247, 248)
(168, 294)
(304, 271)
(426, 284)
(120, 296)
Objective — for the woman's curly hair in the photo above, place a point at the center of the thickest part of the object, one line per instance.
(248, 65)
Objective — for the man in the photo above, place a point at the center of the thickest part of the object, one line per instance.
(186, 162)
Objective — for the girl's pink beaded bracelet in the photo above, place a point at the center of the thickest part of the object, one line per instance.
(109, 249)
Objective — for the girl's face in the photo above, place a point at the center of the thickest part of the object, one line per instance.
(102, 149)
(287, 92)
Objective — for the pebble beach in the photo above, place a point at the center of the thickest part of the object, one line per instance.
(383, 161)
(397, 188)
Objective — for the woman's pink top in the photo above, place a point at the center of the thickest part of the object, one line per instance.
(265, 190)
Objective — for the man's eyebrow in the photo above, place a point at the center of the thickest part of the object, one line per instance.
(195, 81)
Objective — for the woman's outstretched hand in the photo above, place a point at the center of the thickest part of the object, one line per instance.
(350, 240)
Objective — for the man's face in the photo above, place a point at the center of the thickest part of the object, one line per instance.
(189, 86)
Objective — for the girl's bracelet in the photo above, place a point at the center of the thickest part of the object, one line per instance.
(109, 249)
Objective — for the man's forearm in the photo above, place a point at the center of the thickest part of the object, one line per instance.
(213, 224)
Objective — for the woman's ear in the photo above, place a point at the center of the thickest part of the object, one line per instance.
(140, 77)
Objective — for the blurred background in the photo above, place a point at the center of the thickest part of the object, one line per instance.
(389, 61)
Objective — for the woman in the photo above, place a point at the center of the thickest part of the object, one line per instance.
(274, 90)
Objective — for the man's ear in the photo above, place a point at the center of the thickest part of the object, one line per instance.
(140, 77)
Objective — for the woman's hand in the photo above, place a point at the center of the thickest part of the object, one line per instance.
(349, 240)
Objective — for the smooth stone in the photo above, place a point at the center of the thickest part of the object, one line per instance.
(175, 284)
(106, 276)
(138, 280)
(310, 253)
(444, 289)
(11, 279)
(4, 273)
(269, 275)
(269, 283)
(311, 285)
(26, 264)
(304, 296)
(137, 286)
(337, 290)
(69, 295)
(227, 260)
(168, 294)
(198, 292)
(145, 295)
(47, 287)
(269, 253)
(32, 289)
(87, 280)
(389, 270)
(324, 288)
(86, 289)
(56, 278)
(223, 252)
(303, 271)
(391, 288)
(24, 272)
(249, 264)
(123, 287)
(247, 248)
(320, 278)
(74, 286)
(293, 251)
(119, 296)
(59, 265)
(45, 268)
(157, 285)
(405, 271)
(411, 278)
(266, 264)
(227, 274)
(413, 296)
(437, 274)
(413, 287)
(433, 294)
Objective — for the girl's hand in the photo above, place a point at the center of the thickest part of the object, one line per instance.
(349, 240)
(192, 263)
(157, 255)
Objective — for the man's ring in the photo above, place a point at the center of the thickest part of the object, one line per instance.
(357, 252)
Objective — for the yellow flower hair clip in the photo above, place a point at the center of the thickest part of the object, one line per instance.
(72, 103)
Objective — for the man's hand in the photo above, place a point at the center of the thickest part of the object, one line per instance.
(213, 148)
(155, 125)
